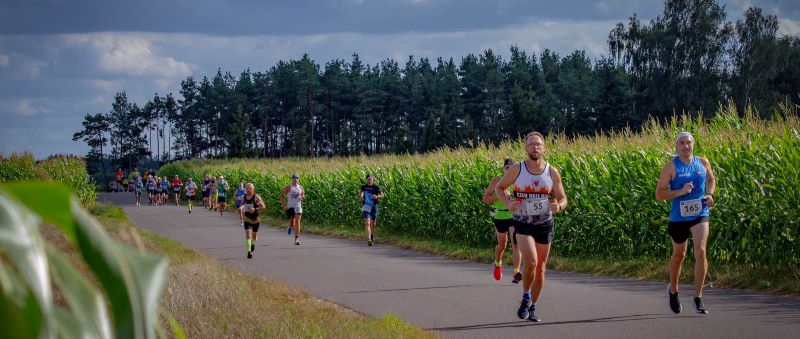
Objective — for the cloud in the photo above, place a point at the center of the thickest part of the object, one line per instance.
(130, 54)
(4, 60)
(788, 27)
(24, 108)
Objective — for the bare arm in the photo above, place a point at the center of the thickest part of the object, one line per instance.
(500, 189)
(558, 193)
(662, 188)
(711, 182)
(488, 194)
(282, 197)
(259, 203)
(379, 195)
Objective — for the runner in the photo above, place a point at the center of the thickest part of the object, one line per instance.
(250, 219)
(164, 190)
(222, 190)
(239, 195)
(119, 175)
(368, 196)
(132, 178)
(137, 190)
(503, 226)
(538, 194)
(206, 192)
(176, 188)
(191, 190)
(212, 198)
(690, 183)
(151, 190)
(292, 198)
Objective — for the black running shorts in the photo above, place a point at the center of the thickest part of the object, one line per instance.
(290, 213)
(248, 226)
(681, 230)
(221, 199)
(502, 225)
(542, 234)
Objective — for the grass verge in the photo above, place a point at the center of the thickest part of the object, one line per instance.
(725, 276)
(210, 300)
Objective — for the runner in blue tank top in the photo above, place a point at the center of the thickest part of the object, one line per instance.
(688, 181)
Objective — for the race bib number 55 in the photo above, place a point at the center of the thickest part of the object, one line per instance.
(537, 206)
(691, 208)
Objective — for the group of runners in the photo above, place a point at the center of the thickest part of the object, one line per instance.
(525, 199)
(525, 212)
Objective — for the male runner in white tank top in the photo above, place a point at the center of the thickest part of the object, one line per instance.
(292, 202)
(537, 195)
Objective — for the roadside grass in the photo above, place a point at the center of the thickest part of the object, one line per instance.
(210, 300)
(719, 276)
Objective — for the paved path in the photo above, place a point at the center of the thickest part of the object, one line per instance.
(460, 299)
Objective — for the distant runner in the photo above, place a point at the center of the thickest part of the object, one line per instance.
(176, 188)
(206, 191)
(250, 217)
(538, 194)
(164, 190)
(368, 196)
(503, 226)
(222, 191)
(191, 191)
(690, 183)
(137, 190)
(292, 202)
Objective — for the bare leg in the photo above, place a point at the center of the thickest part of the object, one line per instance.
(675, 262)
(501, 246)
(542, 253)
(699, 238)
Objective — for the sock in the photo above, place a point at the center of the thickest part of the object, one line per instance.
(249, 243)
(498, 263)
(526, 296)
(516, 270)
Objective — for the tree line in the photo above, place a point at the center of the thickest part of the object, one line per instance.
(688, 60)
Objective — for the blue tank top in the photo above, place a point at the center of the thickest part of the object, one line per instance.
(690, 206)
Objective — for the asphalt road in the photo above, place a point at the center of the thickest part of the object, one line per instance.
(461, 299)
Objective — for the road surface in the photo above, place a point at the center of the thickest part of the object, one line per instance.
(459, 299)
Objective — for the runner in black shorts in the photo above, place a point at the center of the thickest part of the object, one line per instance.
(689, 182)
(503, 222)
(537, 195)
(251, 205)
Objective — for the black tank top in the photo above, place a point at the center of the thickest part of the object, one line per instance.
(252, 200)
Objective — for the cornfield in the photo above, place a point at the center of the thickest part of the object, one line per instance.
(609, 180)
(69, 171)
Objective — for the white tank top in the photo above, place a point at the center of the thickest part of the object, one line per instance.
(293, 197)
(534, 192)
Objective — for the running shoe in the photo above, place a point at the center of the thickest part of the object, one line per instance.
(498, 272)
(252, 247)
(532, 316)
(698, 305)
(249, 255)
(523, 311)
(289, 230)
(297, 241)
(674, 303)
(517, 277)
(369, 242)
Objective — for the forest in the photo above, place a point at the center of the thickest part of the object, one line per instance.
(688, 60)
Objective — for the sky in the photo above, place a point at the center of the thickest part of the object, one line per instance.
(63, 59)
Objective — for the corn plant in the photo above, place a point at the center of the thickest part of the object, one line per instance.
(610, 181)
(125, 305)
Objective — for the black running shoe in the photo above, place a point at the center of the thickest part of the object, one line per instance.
(517, 277)
(249, 255)
(532, 316)
(369, 242)
(674, 303)
(523, 312)
(698, 305)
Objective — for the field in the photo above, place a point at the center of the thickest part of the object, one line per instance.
(610, 181)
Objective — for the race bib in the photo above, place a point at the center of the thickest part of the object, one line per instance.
(221, 194)
(691, 208)
(537, 206)
(248, 207)
(367, 208)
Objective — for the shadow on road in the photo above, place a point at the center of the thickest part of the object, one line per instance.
(523, 323)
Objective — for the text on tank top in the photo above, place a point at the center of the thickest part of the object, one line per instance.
(534, 192)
